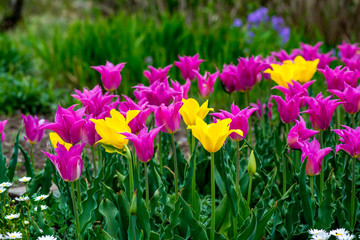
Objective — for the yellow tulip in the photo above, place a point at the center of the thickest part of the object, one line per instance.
(191, 109)
(212, 136)
(304, 70)
(55, 138)
(110, 129)
(281, 74)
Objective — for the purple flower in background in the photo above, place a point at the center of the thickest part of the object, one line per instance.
(33, 134)
(299, 134)
(206, 83)
(336, 78)
(314, 155)
(187, 64)
(277, 23)
(261, 108)
(321, 111)
(110, 75)
(258, 16)
(353, 63)
(239, 120)
(350, 139)
(2, 126)
(68, 124)
(350, 98)
(288, 110)
(348, 50)
(157, 74)
(237, 23)
(143, 143)
(284, 33)
(68, 163)
(168, 118)
(228, 78)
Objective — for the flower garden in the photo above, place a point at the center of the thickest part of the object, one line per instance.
(260, 147)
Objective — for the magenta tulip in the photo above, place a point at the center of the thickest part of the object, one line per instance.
(248, 70)
(110, 75)
(350, 98)
(288, 110)
(228, 78)
(350, 139)
(33, 134)
(168, 118)
(336, 78)
(261, 108)
(282, 55)
(68, 163)
(143, 143)
(89, 134)
(299, 135)
(157, 74)
(348, 50)
(314, 155)
(295, 89)
(184, 89)
(206, 83)
(2, 126)
(187, 65)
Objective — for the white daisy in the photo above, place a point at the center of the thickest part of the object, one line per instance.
(22, 199)
(42, 207)
(25, 179)
(316, 231)
(321, 236)
(2, 189)
(41, 197)
(5, 184)
(14, 235)
(339, 232)
(47, 237)
(346, 237)
(26, 222)
(12, 216)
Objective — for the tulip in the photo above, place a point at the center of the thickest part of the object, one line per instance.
(309, 52)
(295, 89)
(168, 118)
(184, 89)
(350, 139)
(110, 75)
(261, 108)
(206, 83)
(247, 71)
(33, 135)
(90, 136)
(299, 135)
(240, 120)
(110, 129)
(350, 98)
(281, 74)
(288, 110)
(304, 70)
(68, 124)
(353, 63)
(321, 111)
(191, 110)
(348, 50)
(228, 78)
(55, 139)
(187, 65)
(93, 100)
(157, 74)
(282, 55)
(2, 125)
(336, 78)
(314, 155)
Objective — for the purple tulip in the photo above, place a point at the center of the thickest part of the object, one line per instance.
(299, 134)
(90, 136)
(110, 75)
(348, 50)
(187, 65)
(261, 108)
(321, 111)
(2, 126)
(296, 89)
(282, 55)
(350, 139)
(157, 74)
(206, 83)
(288, 110)
(93, 100)
(144, 143)
(353, 63)
(68, 124)
(314, 155)
(157, 93)
(228, 78)
(168, 118)
(247, 72)
(68, 163)
(240, 120)
(138, 122)
(350, 98)
(311, 53)
(33, 134)
(336, 78)
(184, 89)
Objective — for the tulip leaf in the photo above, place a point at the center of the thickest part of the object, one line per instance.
(154, 236)
(307, 203)
(3, 169)
(260, 228)
(102, 234)
(222, 215)
(27, 164)
(14, 159)
(124, 207)
(110, 212)
(248, 229)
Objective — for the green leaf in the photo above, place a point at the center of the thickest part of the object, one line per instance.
(222, 216)
(305, 195)
(248, 229)
(14, 159)
(260, 228)
(3, 169)
(109, 211)
(28, 167)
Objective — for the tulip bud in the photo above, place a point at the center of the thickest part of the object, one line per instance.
(252, 164)
(133, 205)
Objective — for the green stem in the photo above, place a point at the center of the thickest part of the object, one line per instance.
(193, 180)
(353, 219)
(94, 159)
(322, 170)
(249, 190)
(249, 136)
(312, 186)
(131, 171)
(75, 210)
(78, 194)
(32, 156)
(212, 230)
(175, 166)
(338, 117)
(133, 226)
(160, 155)
(99, 156)
(353, 120)
(237, 167)
(147, 186)
(287, 126)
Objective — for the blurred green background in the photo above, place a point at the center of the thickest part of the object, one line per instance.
(47, 47)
